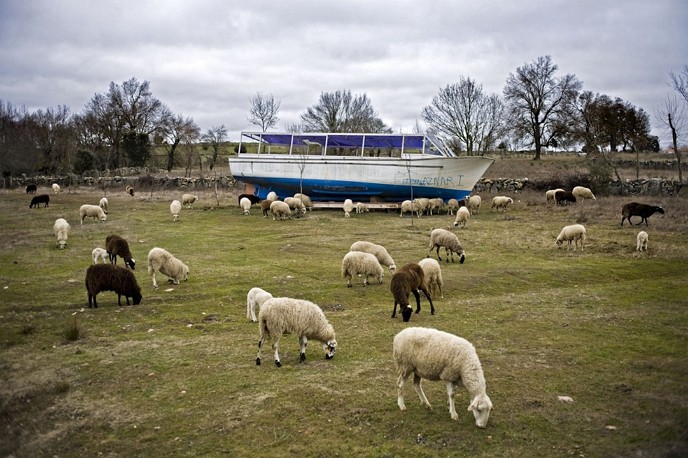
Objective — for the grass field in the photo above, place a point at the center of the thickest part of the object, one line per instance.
(176, 375)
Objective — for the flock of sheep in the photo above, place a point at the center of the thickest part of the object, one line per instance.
(424, 352)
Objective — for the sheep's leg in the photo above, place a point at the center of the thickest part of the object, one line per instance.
(260, 346)
(303, 341)
(394, 310)
(450, 395)
(419, 389)
(155, 283)
(275, 346)
(417, 296)
(432, 307)
(437, 250)
(400, 386)
(448, 252)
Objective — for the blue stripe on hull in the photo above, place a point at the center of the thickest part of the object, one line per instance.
(324, 190)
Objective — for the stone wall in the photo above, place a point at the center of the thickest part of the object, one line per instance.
(651, 187)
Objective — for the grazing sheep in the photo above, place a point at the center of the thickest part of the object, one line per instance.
(40, 199)
(361, 207)
(549, 195)
(452, 206)
(410, 206)
(348, 208)
(61, 229)
(642, 210)
(295, 204)
(100, 253)
(450, 242)
(360, 263)
(160, 260)
(117, 246)
(501, 202)
(252, 197)
(423, 204)
(281, 209)
(641, 241)
(564, 198)
(409, 279)
(31, 189)
(573, 233)
(433, 275)
(378, 251)
(104, 204)
(129, 190)
(436, 355)
(255, 299)
(272, 195)
(56, 188)
(175, 209)
(462, 215)
(189, 200)
(245, 205)
(107, 277)
(473, 204)
(307, 202)
(581, 193)
(304, 319)
(435, 204)
(265, 207)
(93, 211)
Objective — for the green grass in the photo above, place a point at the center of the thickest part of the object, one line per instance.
(176, 375)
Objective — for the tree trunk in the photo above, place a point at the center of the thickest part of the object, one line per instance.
(676, 151)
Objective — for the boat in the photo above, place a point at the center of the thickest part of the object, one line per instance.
(357, 166)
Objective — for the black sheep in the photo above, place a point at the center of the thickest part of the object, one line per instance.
(252, 197)
(642, 210)
(106, 277)
(31, 189)
(409, 279)
(564, 197)
(40, 199)
(117, 246)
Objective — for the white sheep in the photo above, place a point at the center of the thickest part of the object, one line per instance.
(100, 253)
(452, 206)
(573, 233)
(581, 192)
(436, 355)
(410, 206)
(641, 241)
(450, 242)
(423, 203)
(281, 209)
(160, 260)
(304, 319)
(501, 202)
(245, 204)
(360, 263)
(56, 188)
(433, 275)
(361, 207)
(92, 210)
(254, 300)
(549, 195)
(175, 209)
(188, 200)
(272, 195)
(378, 251)
(473, 204)
(435, 204)
(295, 204)
(61, 229)
(462, 215)
(348, 208)
(307, 202)
(104, 204)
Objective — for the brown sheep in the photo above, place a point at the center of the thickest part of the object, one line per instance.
(409, 279)
(642, 210)
(107, 277)
(117, 246)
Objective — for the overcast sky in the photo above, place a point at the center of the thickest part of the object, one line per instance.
(206, 58)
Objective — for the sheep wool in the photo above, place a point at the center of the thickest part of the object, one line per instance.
(306, 200)
(637, 209)
(189, 200)
(361, 207)
(348, 208)
(411, 206)
(117, 246)
(452, 206)
(175, 209)
(254, 300)
(582, 193)
(104, 204)
(574, 233)
(301, 318)
(437, 355)
(462, 216)
(501, 202)
(245, 205)
(108, 277)
(36, 201)
(56, 188)
(435, 204)
(378, 251)
(272, 195)
(433, 275)
(265, 207)
(641, 241)
(100, 253)
(409, 279)
(450, 242)
(93, 211)
(161, 260)
(295, 204)
(61, 229)
(473, 204)
(549, 195)
(281, 209)
(360, 263)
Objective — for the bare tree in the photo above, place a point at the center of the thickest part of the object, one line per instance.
(178, 130)
(263, 111)
(672, 117)
(342, 112)
(679, 82)
(540, 104)
(464, 111)
(214, 137)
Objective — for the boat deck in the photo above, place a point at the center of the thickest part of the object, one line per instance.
(371, 206)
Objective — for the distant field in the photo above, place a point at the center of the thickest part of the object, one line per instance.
(176, 375)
